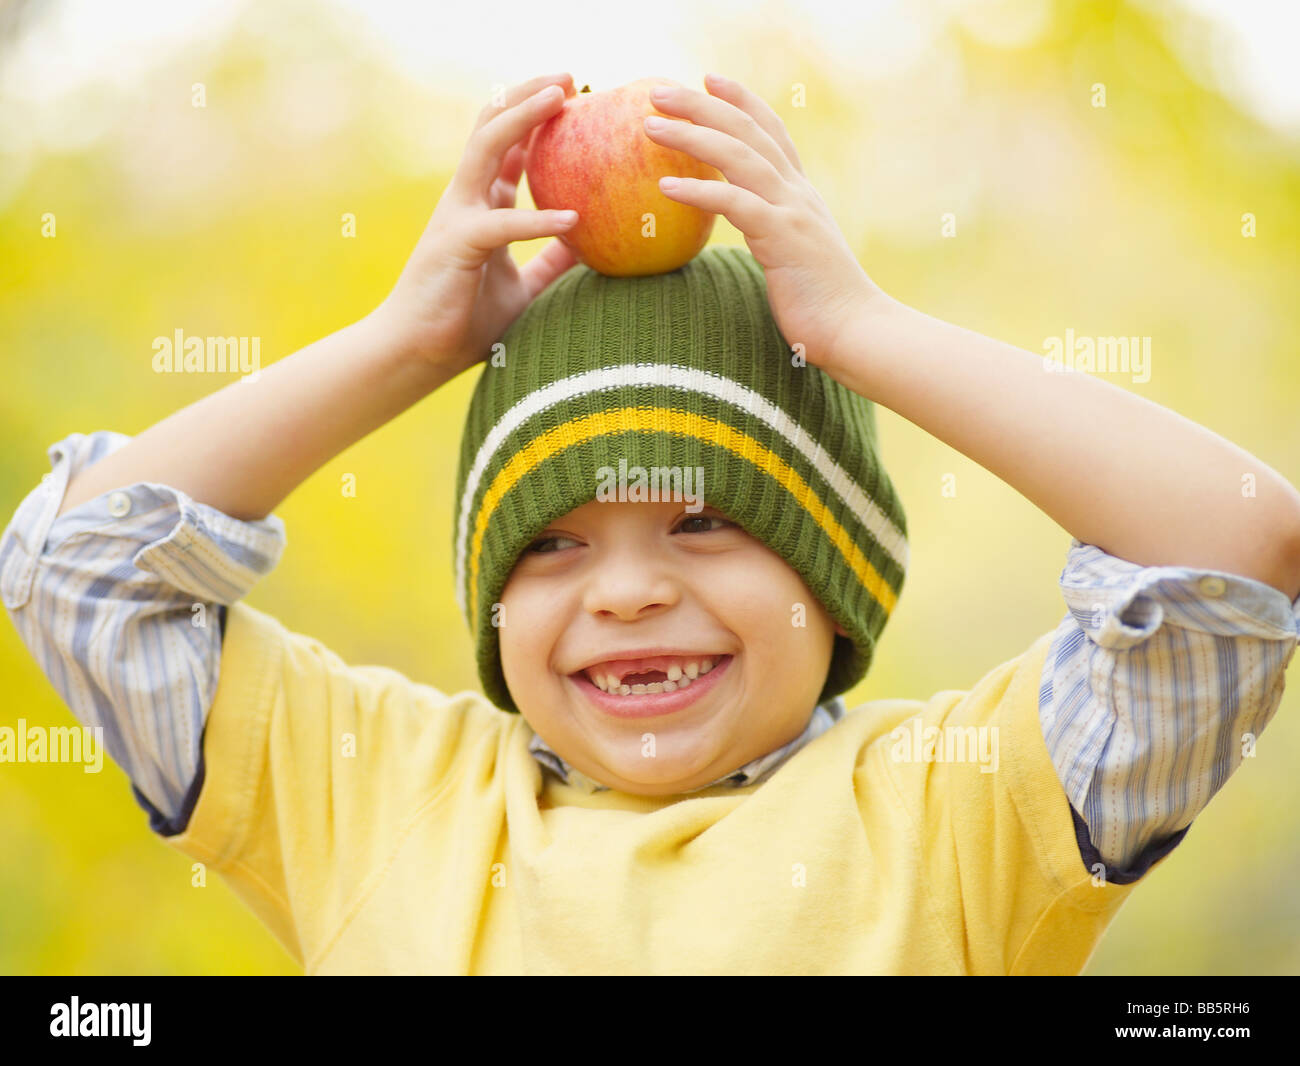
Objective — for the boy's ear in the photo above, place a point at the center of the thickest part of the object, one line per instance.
(841, 630)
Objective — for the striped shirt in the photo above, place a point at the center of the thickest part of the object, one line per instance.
(1156, 682)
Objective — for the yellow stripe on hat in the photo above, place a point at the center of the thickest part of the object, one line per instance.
(683, 423)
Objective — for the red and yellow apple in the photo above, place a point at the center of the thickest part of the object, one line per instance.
(595, 157)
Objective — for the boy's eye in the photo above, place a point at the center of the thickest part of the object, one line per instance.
(686, 522)
(540, 545)
(551, 544)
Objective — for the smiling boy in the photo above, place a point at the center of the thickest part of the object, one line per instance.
(664, 777)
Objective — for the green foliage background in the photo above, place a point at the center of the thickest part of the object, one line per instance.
(225, 220)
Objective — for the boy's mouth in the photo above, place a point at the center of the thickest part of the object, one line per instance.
(650, 674)
(638, 694)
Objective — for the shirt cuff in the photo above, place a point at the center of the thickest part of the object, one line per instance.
(192, 546)
(1119, 604)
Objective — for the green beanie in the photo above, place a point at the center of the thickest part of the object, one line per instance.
(682, 370)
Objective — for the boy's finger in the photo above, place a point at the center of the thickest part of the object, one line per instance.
(513, 165)
(490, 230)
(545, 267)
(744, 209)
(758, 109)
(518, 93)
(502, 194)
(487, 147)
(709, 111)
(506, 187)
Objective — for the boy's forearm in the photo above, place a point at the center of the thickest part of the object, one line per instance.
(1134, 478)
(244, 448)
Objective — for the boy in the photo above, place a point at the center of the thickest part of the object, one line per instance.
(682, 789)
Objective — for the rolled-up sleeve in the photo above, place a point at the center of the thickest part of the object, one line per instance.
(120, 601)
(1157, 684)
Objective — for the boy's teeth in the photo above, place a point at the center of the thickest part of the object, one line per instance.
(678, 677)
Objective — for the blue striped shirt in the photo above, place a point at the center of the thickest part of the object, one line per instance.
(1156, 680)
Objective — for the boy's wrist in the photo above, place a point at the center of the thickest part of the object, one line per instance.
(381, 334)
(867, 340)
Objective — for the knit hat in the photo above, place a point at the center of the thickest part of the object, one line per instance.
(681, 370)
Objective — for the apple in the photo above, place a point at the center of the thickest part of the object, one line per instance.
(595, 157)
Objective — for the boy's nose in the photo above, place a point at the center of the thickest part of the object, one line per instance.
(627, 592)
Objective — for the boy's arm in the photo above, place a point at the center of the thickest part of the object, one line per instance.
(244, 448)
(1116, 470)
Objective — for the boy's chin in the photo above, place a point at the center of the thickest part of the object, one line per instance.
(668, 786)
(652, 776)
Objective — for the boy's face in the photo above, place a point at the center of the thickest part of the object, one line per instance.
(611, 579)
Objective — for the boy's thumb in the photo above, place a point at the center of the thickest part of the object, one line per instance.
(546, 266)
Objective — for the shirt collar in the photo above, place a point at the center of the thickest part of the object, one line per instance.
(824, 716)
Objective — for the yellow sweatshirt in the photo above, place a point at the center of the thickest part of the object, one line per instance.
(380, 826)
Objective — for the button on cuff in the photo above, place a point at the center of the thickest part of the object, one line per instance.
(119, 504)
(1212, 585)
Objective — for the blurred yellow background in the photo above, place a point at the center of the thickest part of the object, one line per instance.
(226, 219)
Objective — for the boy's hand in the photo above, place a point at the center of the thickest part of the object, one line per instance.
(460, 288)
(814, 283)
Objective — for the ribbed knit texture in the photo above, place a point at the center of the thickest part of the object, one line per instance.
(686, 369)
